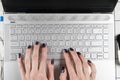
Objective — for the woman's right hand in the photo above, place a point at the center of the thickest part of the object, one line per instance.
(77, 67)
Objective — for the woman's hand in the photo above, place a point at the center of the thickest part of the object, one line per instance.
(77, 67)
(34, 67)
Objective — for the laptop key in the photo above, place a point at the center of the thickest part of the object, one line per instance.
(74, 43)
(27, 37)
(18, 31)
(13, 57)
(105, 36)
(62, 43)
(74, 37)
(95, 49)
(16, 50)
(89, 31)
(99, 37)
(106, 56)
(86, 37)
(106, 49)
(84, 50)
(87, 56)
(81, 43)
(94, 56)
(21, 37)
(70, 30)
(33, 37)
(79, 37)
(106, 31)
(55, 43)
(68, 43)
(59, 50)
(14, 37)
(54, 37)
(76, 30)
(92, 37)
(53, 50)
(87, 43)
(22, 44)
(67, 37)
(29, 43)
(12, 31)
(96, 43)
(105, 43)
(100, 56)
(82, 30)
(97, 31)
(14, 44)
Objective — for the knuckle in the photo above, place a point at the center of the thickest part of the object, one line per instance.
(41, 75)
(20, 67)
(50, 67)
(61, 78)
(27, 62)
(78, 62)
(34, 56)
(85, 65)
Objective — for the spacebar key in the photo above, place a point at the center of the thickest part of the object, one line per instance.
(55, 56)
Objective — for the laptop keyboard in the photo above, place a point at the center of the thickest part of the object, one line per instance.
(89, 39)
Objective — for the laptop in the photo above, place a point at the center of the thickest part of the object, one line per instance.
(85, 25)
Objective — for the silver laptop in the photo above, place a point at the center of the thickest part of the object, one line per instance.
(85, 25)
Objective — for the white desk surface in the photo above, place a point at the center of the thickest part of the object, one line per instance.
(117, 28)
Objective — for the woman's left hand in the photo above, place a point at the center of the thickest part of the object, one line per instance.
(34, 67)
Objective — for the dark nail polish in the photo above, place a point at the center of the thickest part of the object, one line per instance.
(89, 61)
(29, 46)
(43, 45)
(78, 53)
(66, 51)
(19, 55)
(52, 61)
(37, 43)
(71, 49)
(62, 69)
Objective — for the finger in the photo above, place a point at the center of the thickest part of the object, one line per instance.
(21, 66)
(27, 59)
(78, 63)
(93, 70)
(69, 65)
(51, 69)
(35, 56)
(84, 65)
(63, 74)
(43, 58)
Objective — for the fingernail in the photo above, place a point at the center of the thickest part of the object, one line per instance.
(37, 43)
(19, 55)
(66, 51)
(29, 46)
(89, 61)
(62, 69)
(78, 53)
(43, 45)
(52, 61)
(71, 49)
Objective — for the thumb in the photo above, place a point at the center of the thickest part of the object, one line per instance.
(51, 69)
(63, 74)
